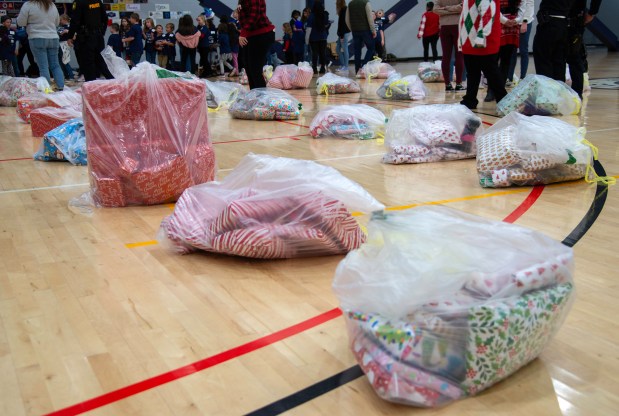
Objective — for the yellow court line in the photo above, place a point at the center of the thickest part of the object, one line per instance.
(403, 207)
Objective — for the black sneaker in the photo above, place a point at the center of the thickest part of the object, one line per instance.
(449, 88)
(489, 97)
(459, 87)
(468, 104)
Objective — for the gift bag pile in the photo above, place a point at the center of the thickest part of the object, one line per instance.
(397, 87)
(335, 84)
(540, 95)
(12, 89)
(148, 137)
(221, 93)
(521, 150)
(356, 121)
(66, 142)
(441, 305)
(270, 208)
(430, 71)
(45, 119)
(376, 69)
(431, 133)
(266, 104)
(287, 77)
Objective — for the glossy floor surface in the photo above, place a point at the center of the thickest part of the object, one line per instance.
(93, 314)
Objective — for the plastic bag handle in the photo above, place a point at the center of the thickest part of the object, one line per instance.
(606, 180)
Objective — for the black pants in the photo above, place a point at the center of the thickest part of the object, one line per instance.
(188, 54)
(319, 49)
(475, 65)
(255, 57)
(33, 69)
(505, 58)
(575, 59)
(206, 67)
(91, 62)
(549, 47)
(427, 42)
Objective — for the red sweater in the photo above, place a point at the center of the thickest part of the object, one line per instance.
(429, 25)
(493, 40)
(253, 18)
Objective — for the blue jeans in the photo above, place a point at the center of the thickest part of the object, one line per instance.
(342, 50)
(359, 39)
(524, 55)
(151, 56)
(45, 53)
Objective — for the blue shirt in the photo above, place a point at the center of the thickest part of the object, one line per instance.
(65, 37)
(169, 51)
(136, 45)
(204, 34)
(150, 39)
(116, 43)
(317, 33)
(224, 43)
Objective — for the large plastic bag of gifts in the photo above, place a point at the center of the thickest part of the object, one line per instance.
(431, 133)
(46, 119)
(430, 71)
(397, 87)
(521, 150)
(376, 68)
(270, 208)
(148, 137)
(266, 104)
(66, 142)
(221, 93)
(30, 102)
(335, 84)
(540, 95)
(14, 88)
(440, 304)
(356, 121)
(287, 77)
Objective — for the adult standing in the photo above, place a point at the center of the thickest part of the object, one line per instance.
(550, 42)
(578, 17)
(359, 20)
(257, 36)
(449, 13)
(343, 35)
(41, 19)
(316, 35)
(89, 22)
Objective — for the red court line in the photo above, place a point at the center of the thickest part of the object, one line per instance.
(294, 124)
(16, 158)
(525, 205)
(193, 368)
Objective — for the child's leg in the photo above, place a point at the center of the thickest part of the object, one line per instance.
(235, 60)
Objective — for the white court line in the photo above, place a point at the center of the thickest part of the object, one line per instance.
(12, 191)
(595, 131)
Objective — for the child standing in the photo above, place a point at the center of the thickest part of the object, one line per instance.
(298, 41)
(125, 27)
(149, 35)
(428, 31)
(64, 51)
(169, 47)
(203, 48)
(159, 46)
(12, 45)
(225, 52)
(188, 37)
(233, 34)
(6, 52)
(114, 41)
(288, 43)
(133, 39)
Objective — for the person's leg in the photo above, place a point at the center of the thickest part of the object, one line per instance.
(52, 57)
(322, 55)
(524, 51)
(574, 60)
(505, 56)
(258, 47)
(184, 59)
(447, 50)
(369, 44)
(453, 34)
(100, 64)
(339, 47)
(346, 52)
(39, 50)
(426, 48)
(314, 46)
(473, 69)
(13, 61)
(433, 42)
(20, 60)
(192, 60)
(495, 80)
(549, 48)
(357, 39)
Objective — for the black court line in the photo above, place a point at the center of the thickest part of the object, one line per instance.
(325, 386)
(487, 114)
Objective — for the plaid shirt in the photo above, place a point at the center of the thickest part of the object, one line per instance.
(253, 18)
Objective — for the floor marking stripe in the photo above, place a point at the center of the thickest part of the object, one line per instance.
(525, 205)
(193, 368)
(16, 158)
(44, 188)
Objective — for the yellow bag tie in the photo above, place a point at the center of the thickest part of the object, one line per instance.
(606, 180)
(380, 138)
(578, 103)
(325, 89)
(394, 86)
(231, 98)
(268, 73)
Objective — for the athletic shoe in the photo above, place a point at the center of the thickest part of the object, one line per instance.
(449, 88)
(459, 87)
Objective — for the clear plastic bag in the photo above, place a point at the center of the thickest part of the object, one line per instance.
(148, 137)
(30, 102)
(430, 71)
(397, 87)
(335, 84)
(521, 150)
(287, 77)
(376, 68)
(45, 119)
(221, 93)
(266, 104)
(270, 207)
(540, 95)
(431, 133)
(440, 304)
(356, 121)
(118, 66)
(13, 89)
(66, 142)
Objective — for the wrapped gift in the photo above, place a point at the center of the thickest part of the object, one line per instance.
(397, 87)
(12, 89)
(357, 121)
(335, 84)
(45, 119)
(430, 71)
(221, 93)
(266, 104)
(30, 102)
(376, 69)
(431, 133)
(66, 142)
(148, 138)
(536, 150)
(540, 95)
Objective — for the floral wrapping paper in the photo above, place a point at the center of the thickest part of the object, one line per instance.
(14, 89)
